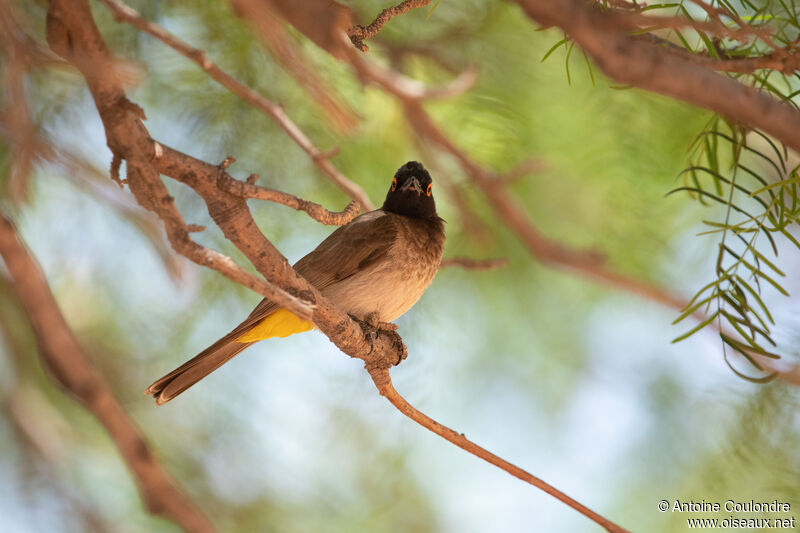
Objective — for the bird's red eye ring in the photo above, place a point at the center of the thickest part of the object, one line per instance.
(394, 183)
(430, 187)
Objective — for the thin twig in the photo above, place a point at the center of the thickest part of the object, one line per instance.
(474, 264)
(716, 28)
(293, 59)
(469, 221)
(715, 14)
(411, 89)
(785, 60)
(383, 382)
(314, 210)
(17, 112)
(63, 355)
(124, 13)
(622, 4)
(358, 33)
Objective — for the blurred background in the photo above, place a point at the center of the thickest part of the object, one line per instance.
(570, 379)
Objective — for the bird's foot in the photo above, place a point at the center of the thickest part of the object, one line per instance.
(373, 328)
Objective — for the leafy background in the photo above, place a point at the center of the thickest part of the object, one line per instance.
(573, 381)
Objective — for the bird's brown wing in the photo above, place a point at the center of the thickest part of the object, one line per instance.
(349, 250)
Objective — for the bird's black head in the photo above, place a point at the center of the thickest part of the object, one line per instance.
(411, 193)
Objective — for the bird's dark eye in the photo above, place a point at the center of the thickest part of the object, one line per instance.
(430, 187)
(394, 183)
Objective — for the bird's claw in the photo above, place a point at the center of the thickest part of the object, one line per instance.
(373, 327)
(371, 335)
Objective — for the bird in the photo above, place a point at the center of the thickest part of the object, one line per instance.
(374, 268)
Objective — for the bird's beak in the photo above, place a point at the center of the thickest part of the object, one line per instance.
(412, 183)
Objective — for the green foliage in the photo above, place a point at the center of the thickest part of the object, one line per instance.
(760, 204)
(745, 172)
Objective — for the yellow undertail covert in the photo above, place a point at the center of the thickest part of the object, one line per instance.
(281, 323)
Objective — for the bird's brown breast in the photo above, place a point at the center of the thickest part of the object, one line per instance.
(391, 285)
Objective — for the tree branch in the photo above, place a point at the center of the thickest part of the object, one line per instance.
(62, 354)
(715, 27)
(358, 33)
(383, 382)
(626, 59)
(785, 63)
(231, 214)
(317, 212)
(72, 32)
(785, 60)
(124, 13)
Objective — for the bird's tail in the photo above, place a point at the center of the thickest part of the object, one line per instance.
(277, 323)
(195, 369)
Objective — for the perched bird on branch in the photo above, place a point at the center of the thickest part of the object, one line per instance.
(374, 268)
